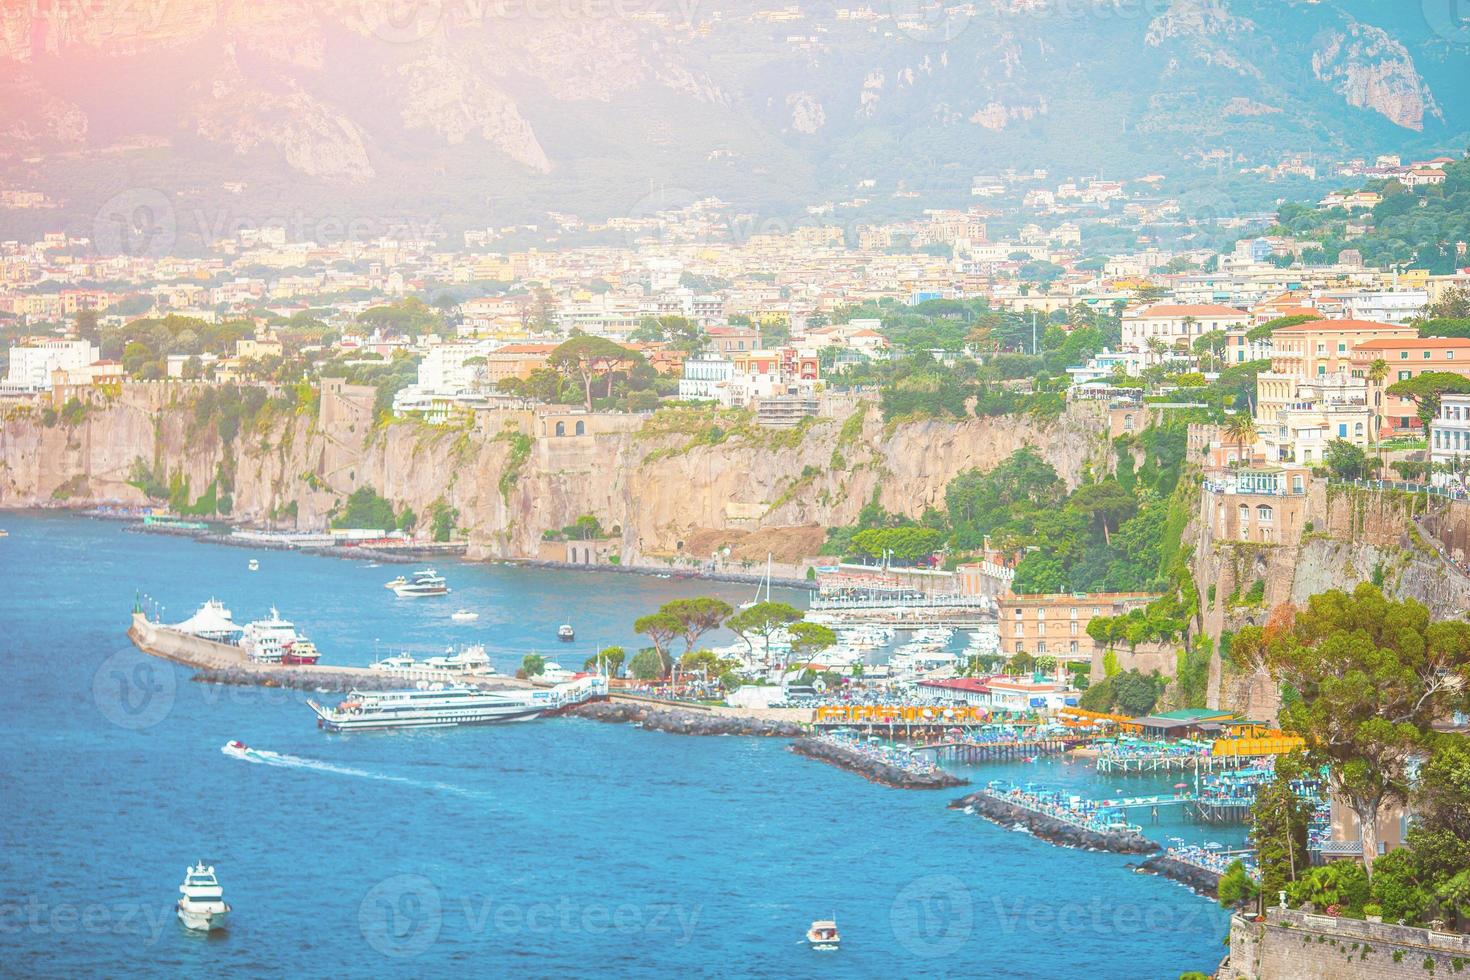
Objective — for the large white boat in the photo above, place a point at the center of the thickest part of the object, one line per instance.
(442, 706)
(272, 639)
(202, 903)
(401, 662)
(425, 582)
(467, 660)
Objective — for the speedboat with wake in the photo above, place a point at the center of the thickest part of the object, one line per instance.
(235, 747)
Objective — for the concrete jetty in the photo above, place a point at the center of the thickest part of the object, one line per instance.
(1201, 880)
(873, 769)
(224, 663)
(683, 721)
(1054, 829)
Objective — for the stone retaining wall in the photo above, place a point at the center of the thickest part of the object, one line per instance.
(1293, 945)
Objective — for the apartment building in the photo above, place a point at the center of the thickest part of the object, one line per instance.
(1407, 357)
(1056, 623)
(1176, 324)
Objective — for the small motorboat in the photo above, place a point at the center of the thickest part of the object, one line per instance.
(236, 748)
(464, 616)
(254, 565)
(202, 906)
(565, 633)
(823, 935)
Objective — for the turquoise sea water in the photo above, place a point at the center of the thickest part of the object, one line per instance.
(553, 848)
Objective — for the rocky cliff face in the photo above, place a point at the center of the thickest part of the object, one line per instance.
(346, 105)
(668, 493)
(1357, 537)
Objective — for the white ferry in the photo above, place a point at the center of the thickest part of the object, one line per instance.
(202, 905)
(426, 582)
(442, 706)
(271, 640)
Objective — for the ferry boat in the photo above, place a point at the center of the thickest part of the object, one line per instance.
(202, 906)
(268, 640)
(565, 633)
(464, 616)
(425, 582)
(301, 651)
(431, 706)
(823, 935)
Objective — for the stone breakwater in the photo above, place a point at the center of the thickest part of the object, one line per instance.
(1054, 829)
(1201, 880)
(681, 721)
(874, 770)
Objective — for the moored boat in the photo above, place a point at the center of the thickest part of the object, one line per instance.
(565, 633)
(269, 640)
(299, 651)
(464, 616)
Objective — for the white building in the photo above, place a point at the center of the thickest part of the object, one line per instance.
(31, 365)
(706, 378)
(1386, 307)
(1449, 434)
(1176, 324)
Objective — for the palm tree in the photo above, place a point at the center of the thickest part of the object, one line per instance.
(1240, 428)
(1377, 373)
(1155, 346)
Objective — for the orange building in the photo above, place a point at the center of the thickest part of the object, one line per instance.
(1407, 358)
(1309, 350)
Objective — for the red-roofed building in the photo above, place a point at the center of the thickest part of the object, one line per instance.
(1407, 357)
(1309, 350)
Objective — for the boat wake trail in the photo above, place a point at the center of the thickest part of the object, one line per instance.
(285, 761)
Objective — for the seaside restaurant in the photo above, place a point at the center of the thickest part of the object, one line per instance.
(1186, 723)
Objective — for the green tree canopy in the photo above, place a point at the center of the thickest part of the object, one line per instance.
(1372, 676)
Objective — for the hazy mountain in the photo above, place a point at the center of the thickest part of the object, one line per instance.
(324, 113)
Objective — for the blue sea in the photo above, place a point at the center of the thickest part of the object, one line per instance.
(555, 848)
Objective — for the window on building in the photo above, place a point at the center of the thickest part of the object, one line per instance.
(1074, 647)
(1426, 355)
(561, 428)
(1403, 355)
(581, 428)
(1405, 375)
(1263, 513)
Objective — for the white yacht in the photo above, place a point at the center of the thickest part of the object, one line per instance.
(202, 904)
(425, 582)
(270, 640)
(443, 706)
(467, 660)
(464, 616)
(555, 673)
(401, 662)
(254, 565)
